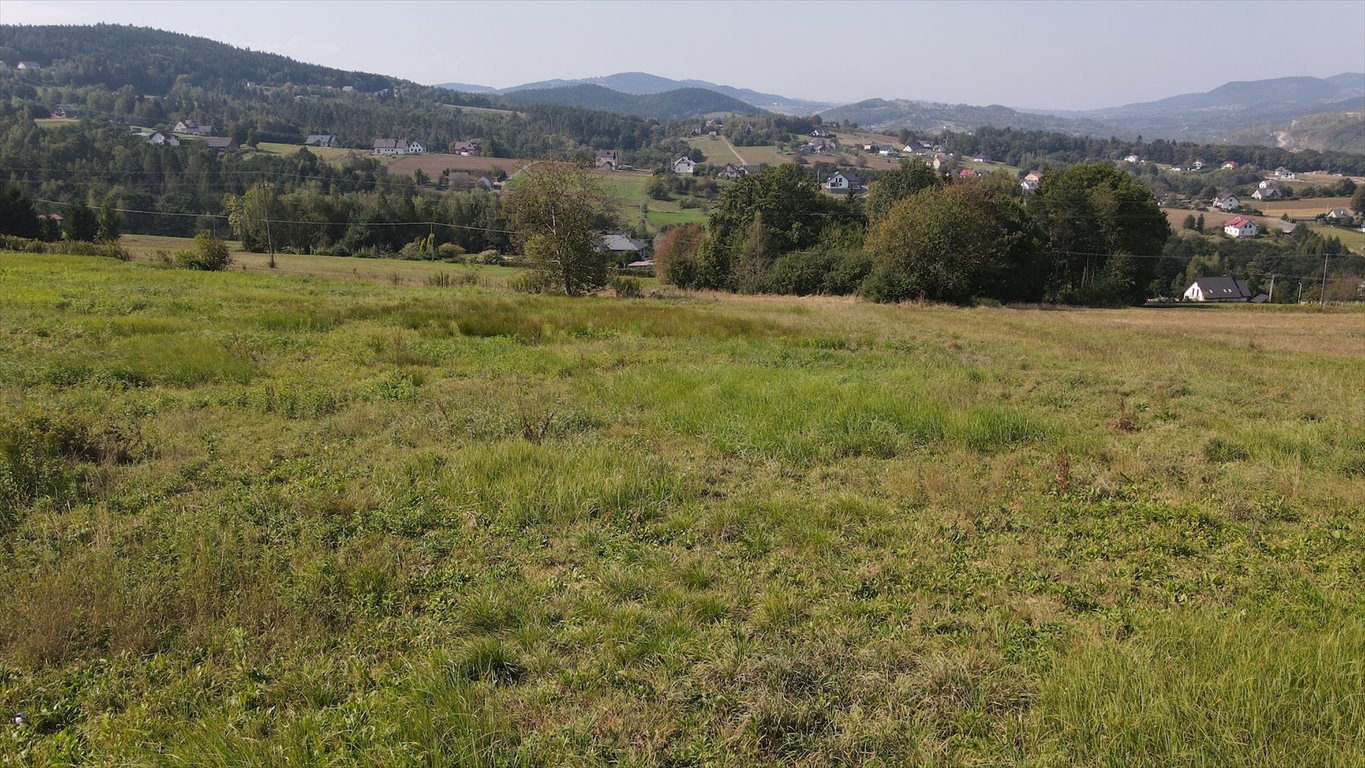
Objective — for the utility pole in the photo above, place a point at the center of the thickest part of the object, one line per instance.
(1271, 300)
(1300, 299)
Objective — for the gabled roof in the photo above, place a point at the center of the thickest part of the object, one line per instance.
(390, 143)
(1239, 222)
(618, 243)
(319, 138)
(220, 142)
(1221, 288)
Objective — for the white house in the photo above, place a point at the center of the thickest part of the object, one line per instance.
(1029, 185)
(843, 183)
(1227, 202)
(389, 147)
(1284, 173)
(1338, 215)
(1130, 159)
(1241, 227)
(606, 159)
(416, 147)
(1267, 191)
(191, 128)
(162, 139)
(1217, 289)
(684, 166)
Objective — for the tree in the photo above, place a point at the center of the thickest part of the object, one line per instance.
(1189, 222)
(941, 244)
(675, 258)
(1358, 200)
(108, 222)
(753, 258)
(17, 216)
(556, 210)
(80, 223)
(210, 253)
(793, 213)
(912, 177)
(1090, 212)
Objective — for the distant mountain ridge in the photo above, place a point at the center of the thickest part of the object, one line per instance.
(892, 115)
(646, 84)
(669, 105)
(1234, 107)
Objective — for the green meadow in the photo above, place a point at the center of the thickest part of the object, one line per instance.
(294, 518)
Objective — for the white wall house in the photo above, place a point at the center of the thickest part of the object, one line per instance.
(1241, 227)
(1217, 289)
(684, 166)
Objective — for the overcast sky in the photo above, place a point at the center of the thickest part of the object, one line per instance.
(1063, 55)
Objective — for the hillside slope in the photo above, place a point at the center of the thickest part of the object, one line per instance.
(670, 105)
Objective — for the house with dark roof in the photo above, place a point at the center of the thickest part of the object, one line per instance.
(606, 159)
(458, 181)
(1225, 289)
(468, 148)
(684, 166)
(321, 140)
(732, 172)
(191, 128)
(389, 147)
(844, 183)
(624, 250)
(221, 143)
(1267, 190)
(1339, 216)
(161, 139)
(1226, 202)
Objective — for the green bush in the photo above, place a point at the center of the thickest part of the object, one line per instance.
(210, 253)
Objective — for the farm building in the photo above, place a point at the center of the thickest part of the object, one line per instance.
(321, 140)
(162, 139)
(1241, 227)
(1218, 289)
(466, 149)
(606, 159)
(221, 143)
(389, 147)
(191, 128)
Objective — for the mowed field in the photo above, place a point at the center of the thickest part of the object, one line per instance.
(274, 518)
(433, 164)
(1305, 208)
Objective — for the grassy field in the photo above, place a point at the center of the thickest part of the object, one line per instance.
(434, 164)
(627, 192)
(280, 519)
(1305, 208)
(333, 155)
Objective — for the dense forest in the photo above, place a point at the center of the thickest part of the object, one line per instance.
(1035, 149)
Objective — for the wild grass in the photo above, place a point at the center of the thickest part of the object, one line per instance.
(306, 517)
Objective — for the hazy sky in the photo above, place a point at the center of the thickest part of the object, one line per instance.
(1061, 55)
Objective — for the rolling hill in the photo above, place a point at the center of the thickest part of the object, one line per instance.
(1230, 108)
(892, 115)
(669, 105)
(646, 84)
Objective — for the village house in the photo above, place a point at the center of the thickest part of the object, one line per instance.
(321, 140)
(820, 146)
(162, 139)
(416, 147)
(1130, 159)
(1267, 190)
(221, 143)
(969, 173)
(1028, 185)
(1217, 289)
(731, 171)
(1230, 165)
(191, 128)
(606, 159)
(684, 166)
(843, 183)
(1198, 165)
(1241, 227)
(1339, 216)
(486, 184)
(821, 134)
(1227, 202)
(29, 65)
(389, 147)
(466, 149)
(624, 250)
(1284, 173)
(942, 162)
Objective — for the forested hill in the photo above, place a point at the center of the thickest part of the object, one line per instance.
(669, 105)
(152, 61)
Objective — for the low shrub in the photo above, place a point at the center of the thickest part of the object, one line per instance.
(210, 254)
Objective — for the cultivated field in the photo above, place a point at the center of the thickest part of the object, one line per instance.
(279, 519)
(1305, 208)
(434, 164)
(333, 155)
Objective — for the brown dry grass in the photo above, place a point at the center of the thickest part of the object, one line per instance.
(434, 164)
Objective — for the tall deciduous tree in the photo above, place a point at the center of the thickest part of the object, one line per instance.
(894, 186)
(943, 244)
(675, 258)
(556, 210)
(1090, 213)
